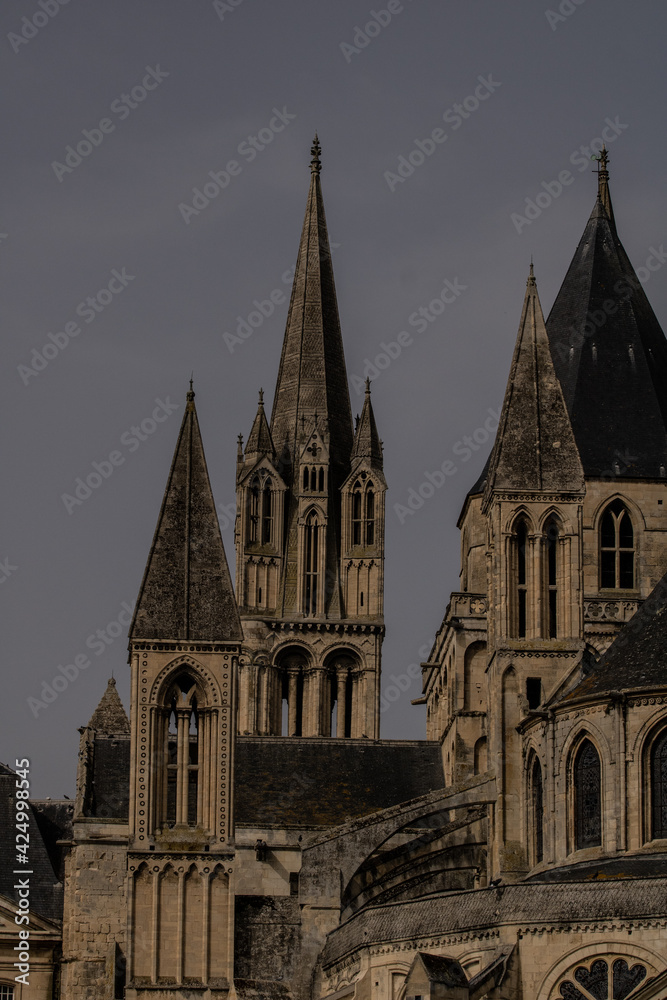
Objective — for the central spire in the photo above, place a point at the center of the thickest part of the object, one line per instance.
(312, 377)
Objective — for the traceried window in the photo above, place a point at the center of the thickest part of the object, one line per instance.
(520, 579)
(181, 781)
(659, 786)
(363, 514)
(617, 548)
(538, 811)
(603, 979)
(587, 797)
(311, 561)
(551, 535)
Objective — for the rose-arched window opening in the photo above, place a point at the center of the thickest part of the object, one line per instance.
(617, 548)
(603, 979)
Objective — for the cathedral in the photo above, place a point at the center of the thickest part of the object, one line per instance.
(245, 832)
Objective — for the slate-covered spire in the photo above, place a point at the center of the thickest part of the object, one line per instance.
(367, 442)
(312, 377)
(110, 716)
(259, 441)
(610, 353)
(187, 591)
(535, 448)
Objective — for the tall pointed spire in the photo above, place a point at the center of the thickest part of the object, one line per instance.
(187, 591)
(312, 376)
(535, 447)
(367, 442)
(610, 353)
(603, 184)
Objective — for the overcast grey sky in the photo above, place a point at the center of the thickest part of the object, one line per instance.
(534, 85)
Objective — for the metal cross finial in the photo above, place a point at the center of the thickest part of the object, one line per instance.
(315, 150)
(261, 397)
(190, 394)
(368, 386)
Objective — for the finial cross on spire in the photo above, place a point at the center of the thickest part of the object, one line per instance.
(315, 150)
(261, 397)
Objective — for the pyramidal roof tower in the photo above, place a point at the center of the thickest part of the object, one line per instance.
(186, 591)
(610, 353)
(310, 524)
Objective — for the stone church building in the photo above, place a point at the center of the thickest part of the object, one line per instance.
(245, 832)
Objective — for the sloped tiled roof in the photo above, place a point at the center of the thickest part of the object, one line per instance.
(282, 781)
(110, 716)
(187, 591)
(637, 658)
(610, 355)
(533, 904)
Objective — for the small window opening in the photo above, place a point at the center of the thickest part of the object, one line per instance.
(534, 692)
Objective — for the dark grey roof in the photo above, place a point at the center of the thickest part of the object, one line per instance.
(287, 781)
(46, 891)
(109, 793)
(637, 658)
(54, 819)
(443, 970)
(534, 904)
(612, 363)
(630, 866)
(187, 591)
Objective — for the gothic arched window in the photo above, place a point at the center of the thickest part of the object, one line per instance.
(311, 564)
(617, 548)
(659, 786)
(551, 535)
(520, 542)
(267, 513)
(253, 512)
(537, 807)
(587, 797)
(370, 518)
(180, 790)
(356, 514)
(603, 979)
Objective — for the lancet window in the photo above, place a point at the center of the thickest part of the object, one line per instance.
(519, 570)
(551, 552)
(311, 564)
(659, 786)
(587, 797)
(180, 793)
(617, 548)
(261, 512)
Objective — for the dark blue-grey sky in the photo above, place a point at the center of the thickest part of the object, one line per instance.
(548, 80)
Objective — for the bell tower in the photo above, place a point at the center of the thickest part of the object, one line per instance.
(184, 644)
(310, 526)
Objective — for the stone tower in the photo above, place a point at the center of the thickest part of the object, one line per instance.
(310, 526)
(184, 645)
(564, 534)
